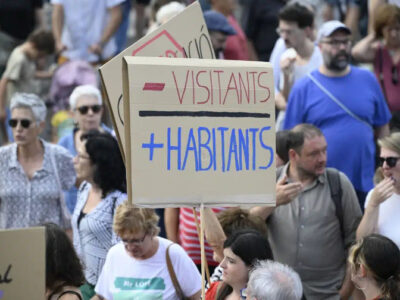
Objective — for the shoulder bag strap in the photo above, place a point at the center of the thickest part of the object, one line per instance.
(336, 194)
(337, 101)
(172, 274)
(381, 77)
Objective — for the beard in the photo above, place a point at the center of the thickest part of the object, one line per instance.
(339, 62)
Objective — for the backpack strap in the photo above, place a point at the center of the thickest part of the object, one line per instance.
(172, 274)
(336, 194)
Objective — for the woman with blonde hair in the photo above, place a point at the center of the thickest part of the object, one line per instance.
(382, 206)
(137, 268)
(375, 267)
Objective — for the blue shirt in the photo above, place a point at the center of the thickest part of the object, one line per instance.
(351, 147)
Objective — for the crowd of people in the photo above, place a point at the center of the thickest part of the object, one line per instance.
(333, 233)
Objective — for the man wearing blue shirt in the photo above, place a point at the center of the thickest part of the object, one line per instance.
(346, 103)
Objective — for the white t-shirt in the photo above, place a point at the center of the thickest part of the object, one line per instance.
(389, 217)
(124, 277)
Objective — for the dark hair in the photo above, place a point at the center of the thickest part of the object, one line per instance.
(282, 139)
(104, 154)
(235, 218)
(42, 40)
(297, 13)
(381, 257)
(63, 266)
(251, 246)
(301, 132)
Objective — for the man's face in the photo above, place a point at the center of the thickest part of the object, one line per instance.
(290, 32)
(311, 161)
(218, 40)
(335, 50)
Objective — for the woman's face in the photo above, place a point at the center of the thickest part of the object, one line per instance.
(24, 127)
(235, 270)
(88, 113)
(138, 245)
(83, 166)
(389, 171)
(391, 34)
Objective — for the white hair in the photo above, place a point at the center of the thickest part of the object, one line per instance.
(32, 102)
(273, 280)
(84, 90)
(168, 11)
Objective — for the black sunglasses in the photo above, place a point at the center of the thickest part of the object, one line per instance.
(390, 161)
(25, 123)
(85, 108)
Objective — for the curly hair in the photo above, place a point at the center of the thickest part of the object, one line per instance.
(63, 266)
(109, 169)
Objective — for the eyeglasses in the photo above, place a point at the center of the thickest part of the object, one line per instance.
(25, 123)
(390, 161)
(337, 43)
(134, 241)
(85, 108)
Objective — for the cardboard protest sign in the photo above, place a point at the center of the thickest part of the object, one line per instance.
(199, 131)
(185, 35)
(22, 264)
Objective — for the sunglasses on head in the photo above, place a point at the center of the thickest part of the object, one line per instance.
(85, 108)
(390, 161)
(25, 123)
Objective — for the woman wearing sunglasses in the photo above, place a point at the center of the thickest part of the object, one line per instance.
(99, 163)
(32, 171)
(242, 250)
(375, 267)
(382, 206)
(86, 105)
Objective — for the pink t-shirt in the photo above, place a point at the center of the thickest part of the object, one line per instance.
(383, 64)
(236, 45)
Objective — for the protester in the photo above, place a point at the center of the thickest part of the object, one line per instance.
(64, 272)
(142, 258)
(317, 212)
(86, 31)
(99, 163)
(375, 267)
(32, 171)
(21, 74)
(87, 107)
(382, 48)
(382, 207)
(327, 99)
(241, 250)
(219, 30)
(272, 280)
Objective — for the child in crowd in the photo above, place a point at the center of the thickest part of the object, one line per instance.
(21, 74)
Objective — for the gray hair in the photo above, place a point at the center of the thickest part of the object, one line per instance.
(84, 90)
(31, 101)
(272, 280)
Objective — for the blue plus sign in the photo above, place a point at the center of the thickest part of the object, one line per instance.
(151, 146)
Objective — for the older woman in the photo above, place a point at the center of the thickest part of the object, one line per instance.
(87, 107)
(100, 165)
(375, 267)
(382, 48)
(32, 172)
(137, 267)
(382, 206)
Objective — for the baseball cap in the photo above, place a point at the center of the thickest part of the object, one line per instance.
(218, 22)
(329, 28)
